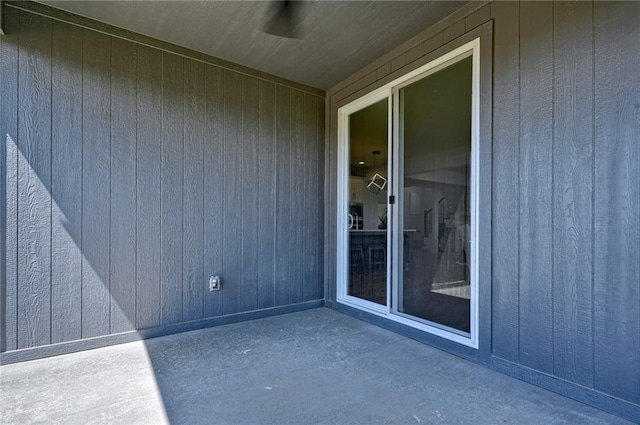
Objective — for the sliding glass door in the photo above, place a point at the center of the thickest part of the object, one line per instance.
(433, 185)
(367, 217)
(407, 198)
(364, 213)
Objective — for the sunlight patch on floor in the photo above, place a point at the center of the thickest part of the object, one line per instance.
(30, 391)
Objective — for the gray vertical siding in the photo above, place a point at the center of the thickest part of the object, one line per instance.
(148, 152)
(34, 182)
(297, 188)
(506, 150)
(617, 199)
(131, 174)
(578, 221)
(171, 189)
(565, 191)
(9, 182)
(213, 178)
(283, 186)
(96, 184)
(535, 191)
(573, 178)
(193, 205)
(266, 195)
(249, 203)
(122, 231)
(66, 182)
(232, 195)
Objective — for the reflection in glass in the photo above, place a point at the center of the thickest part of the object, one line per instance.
(367, 220)
(435, 132)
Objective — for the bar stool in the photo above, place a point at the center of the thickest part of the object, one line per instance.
(382, 254)
(356, 258)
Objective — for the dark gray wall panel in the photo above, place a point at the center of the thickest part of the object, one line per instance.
(267, 195)
(213, 185)
(34, 181)
(572, 193)
(96, 181)
(284, 201)
(9, 181)
(134, 176)
(66, 183)
(318, 235)
(249, 202)
(172, 198)
(297, 171)
(123, 185)
(309, 263)
(617, 199)
(148, 152)
(506, 112)
(193, 205)
(331, 197)
(232, 189)
(535, 278)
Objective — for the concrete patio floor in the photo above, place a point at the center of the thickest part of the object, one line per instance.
(313, 367)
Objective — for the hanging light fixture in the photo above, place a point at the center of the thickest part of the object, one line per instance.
(377, 182)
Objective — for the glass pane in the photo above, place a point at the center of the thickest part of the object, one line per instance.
(435, 214)
(367, 219)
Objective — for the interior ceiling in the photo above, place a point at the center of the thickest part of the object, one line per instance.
(436, 128)
(337, 37)
(368, 133)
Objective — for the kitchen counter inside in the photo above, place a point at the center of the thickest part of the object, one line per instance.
(376, 232)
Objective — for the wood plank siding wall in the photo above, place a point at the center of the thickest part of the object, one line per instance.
(130, 174)
(561, 207)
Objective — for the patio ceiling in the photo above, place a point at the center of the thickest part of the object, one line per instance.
(338, 38)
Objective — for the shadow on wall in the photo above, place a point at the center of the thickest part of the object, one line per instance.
(70, 169)
(130, 174)
(125, 164)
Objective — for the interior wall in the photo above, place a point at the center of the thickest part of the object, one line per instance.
(130, 174)
(563, 196)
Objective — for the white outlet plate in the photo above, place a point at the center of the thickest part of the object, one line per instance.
(214, 283)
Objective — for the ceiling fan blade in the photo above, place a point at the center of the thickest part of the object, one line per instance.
(283, 22)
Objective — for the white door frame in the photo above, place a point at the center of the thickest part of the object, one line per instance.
(394, 236)
(343, 200)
